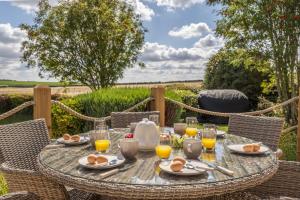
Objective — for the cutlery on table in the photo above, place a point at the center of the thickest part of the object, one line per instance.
(219, 168)
(198, 168)
(115, 171)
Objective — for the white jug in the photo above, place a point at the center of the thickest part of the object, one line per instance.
(147, 134)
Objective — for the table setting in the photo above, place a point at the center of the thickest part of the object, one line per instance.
(183, 156)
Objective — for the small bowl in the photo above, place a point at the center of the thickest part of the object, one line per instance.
(129, 147)
(179, 128)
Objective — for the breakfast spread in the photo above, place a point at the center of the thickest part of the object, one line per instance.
(251, 147)
(93, 159)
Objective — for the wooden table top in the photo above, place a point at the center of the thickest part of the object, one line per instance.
(61, 163)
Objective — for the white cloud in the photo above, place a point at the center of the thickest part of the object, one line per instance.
(141, 9)
(209, 41)
(173, 4)
(190, 31)
(10, 65)
(166, 63)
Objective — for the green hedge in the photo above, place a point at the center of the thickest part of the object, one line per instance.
(101, 103)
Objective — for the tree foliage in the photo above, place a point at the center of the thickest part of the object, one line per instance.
(237, 69)
(86, 41)
(270, 27)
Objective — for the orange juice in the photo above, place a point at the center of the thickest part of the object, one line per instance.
(163, 151)
(209, 143)
(102, 145)
(191, 131)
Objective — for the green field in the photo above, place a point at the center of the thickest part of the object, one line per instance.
(12, 83)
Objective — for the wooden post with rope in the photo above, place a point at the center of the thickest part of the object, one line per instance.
(298, 130)
(158, 93)
(42, 105)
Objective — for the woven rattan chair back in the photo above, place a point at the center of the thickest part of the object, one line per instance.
(285, 183)
(263, 129)
(123, 119)
(21, 143)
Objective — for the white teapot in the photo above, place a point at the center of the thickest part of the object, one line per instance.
(147, 134)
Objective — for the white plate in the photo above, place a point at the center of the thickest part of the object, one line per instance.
(184, 171)
(83, 140)
(220, 133)
(238, 148)
(84, 163)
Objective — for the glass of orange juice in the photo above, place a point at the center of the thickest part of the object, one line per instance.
(102, 144)
(191, 129)
(209, 137)
(164, 150)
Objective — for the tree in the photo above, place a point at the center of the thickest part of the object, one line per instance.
(237, 69)
(272, 28)
(86, 41)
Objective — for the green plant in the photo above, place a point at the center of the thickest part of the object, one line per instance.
(97, 104)
(271, 28)
(3, 186)
(90, 42)
(288, 144)
(238, 70)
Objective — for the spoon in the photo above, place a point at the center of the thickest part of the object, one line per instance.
(198, 168)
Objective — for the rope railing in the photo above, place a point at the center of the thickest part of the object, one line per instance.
(16, 109)
(221, 114)
(88, 118)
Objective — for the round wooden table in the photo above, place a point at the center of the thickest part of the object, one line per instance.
(146, 181)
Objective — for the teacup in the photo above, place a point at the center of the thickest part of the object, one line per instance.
(192, 148)
(129, 148)
(179, 128)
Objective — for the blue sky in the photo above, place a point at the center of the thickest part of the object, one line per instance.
(179, 41)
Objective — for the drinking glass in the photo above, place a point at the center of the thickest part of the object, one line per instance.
(102, 141)
(209, 137)
(191, 129)
(154, 118)
(164, 149)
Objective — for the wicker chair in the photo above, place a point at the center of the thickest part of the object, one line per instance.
(264, 129)
(284, 184)
(20, 196)
(20, 144)
(123, 119)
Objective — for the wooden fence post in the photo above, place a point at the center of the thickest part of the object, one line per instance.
(298, 130)
(42, 104)
(158, 93)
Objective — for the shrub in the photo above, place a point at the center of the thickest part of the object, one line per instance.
(97, 104)
(238, 70)
(288, 144)
(102, 102)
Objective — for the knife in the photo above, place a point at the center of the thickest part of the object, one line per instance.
(115, 171)
(220, 168)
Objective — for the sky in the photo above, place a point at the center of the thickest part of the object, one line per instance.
(178, 44)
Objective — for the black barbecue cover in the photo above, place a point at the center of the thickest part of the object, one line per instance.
(227, 101)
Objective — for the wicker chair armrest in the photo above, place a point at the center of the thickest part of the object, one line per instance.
(33, 181)
(6, 169)
(20, 196)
